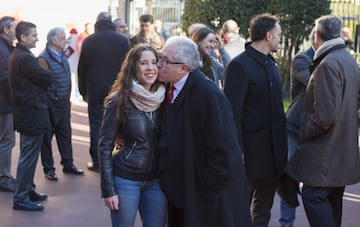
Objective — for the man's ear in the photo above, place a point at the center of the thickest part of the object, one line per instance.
(185, 67)
(22, 37)
(6, 30)
(268, 35)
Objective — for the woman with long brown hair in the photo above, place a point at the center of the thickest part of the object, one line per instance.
(129, 177)
(207, 41)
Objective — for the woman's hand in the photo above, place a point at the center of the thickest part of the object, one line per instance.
(112, 202)
(218, 42)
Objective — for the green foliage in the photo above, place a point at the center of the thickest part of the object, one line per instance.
(296, 19)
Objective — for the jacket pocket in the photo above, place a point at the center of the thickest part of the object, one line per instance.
(32, 119)
(126, 153)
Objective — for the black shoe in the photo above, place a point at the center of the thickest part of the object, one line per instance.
(35, 197)
(28, 206)
(92, 167)
(51, 175)
(73, 170)
(7, 184)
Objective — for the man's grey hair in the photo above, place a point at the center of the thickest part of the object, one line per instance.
(53, 33)
(5, 22)
(329, 27)
(103, 16)
(186, 51)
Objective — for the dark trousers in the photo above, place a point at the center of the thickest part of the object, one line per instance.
(262, 192)
(323, 205)
(175, 216)
(61, 128)
(30, 146)
(95, 113)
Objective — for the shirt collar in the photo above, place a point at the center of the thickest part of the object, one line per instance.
(57, 55)
(179, 85)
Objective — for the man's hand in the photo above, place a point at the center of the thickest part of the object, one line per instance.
(119, 142)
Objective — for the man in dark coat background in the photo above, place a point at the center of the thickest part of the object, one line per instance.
(102, 54)
(7, 134)
(253, 87)
(201, 165)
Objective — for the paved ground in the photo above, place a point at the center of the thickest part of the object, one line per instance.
(74, 201)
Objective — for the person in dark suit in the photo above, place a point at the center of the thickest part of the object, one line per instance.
(299, 77)
(28, 84)
(253, 87)
(53, 59)
(328, 158)
(102, 54)
(201, 165)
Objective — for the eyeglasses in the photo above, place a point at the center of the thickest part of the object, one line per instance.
(166, 61)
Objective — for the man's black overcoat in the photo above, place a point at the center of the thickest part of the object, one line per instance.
(201, 163)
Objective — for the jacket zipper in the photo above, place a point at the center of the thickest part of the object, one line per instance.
(131, 150)
(152, 138)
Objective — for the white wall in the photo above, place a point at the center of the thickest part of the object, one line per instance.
(53, 13)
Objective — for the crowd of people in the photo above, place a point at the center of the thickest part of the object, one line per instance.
(175, 121)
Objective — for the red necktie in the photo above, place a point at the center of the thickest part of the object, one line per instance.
(170, 93)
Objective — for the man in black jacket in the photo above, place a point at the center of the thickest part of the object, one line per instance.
(29, 82)
(102, 54)
(253, 87)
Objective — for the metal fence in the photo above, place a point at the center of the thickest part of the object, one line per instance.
(169, 11)
(348, 11)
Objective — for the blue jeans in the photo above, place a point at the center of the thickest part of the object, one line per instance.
(143, 195)
(323, 205)
(287, 216)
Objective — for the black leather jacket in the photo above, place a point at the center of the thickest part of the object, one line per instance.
(138, 159)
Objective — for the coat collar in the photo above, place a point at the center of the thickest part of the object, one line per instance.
(326, 46)
(192, 79)
(310, 52)
(23, 48)
(258, 56)
(104, 25)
